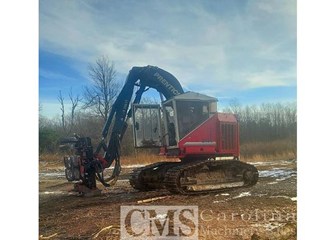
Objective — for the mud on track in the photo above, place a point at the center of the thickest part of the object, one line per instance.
(264, 211)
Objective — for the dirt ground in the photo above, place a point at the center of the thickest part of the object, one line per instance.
(264, 211)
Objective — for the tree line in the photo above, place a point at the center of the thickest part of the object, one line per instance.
(258, 123)
(265, 122)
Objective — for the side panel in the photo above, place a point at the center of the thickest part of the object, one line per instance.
(202, 141)
(218, 136)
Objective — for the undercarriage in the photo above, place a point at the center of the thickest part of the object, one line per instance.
(201, 176)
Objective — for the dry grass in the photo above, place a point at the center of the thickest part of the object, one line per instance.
(264, 157)
(275, 150)
(260, 151)
(55, 160)
(51, 157)
(145, 158)
(49, 161)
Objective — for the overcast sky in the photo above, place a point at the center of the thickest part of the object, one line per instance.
(243, 49)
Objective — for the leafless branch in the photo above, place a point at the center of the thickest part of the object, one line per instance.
(74, 101)
(62, 108)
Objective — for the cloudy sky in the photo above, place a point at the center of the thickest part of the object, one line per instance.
(244, 50)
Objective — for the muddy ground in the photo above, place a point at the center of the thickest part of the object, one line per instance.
(264, 211)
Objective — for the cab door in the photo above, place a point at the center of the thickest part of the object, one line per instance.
(147, 125)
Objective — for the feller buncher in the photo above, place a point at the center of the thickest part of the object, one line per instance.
(185, 126)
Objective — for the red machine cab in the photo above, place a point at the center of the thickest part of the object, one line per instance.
(187, 126)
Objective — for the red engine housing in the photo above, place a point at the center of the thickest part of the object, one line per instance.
(218, 136)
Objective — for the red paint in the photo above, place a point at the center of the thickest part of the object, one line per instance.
(218, 136)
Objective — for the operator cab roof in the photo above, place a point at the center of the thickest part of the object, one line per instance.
(193, 96)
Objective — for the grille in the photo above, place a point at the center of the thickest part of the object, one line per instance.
(229, 136)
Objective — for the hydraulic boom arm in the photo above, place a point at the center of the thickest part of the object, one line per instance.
(94, 163)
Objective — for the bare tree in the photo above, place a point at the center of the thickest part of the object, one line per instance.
(100, 96)
(74, 104)
(235, 106)
(62, 108)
